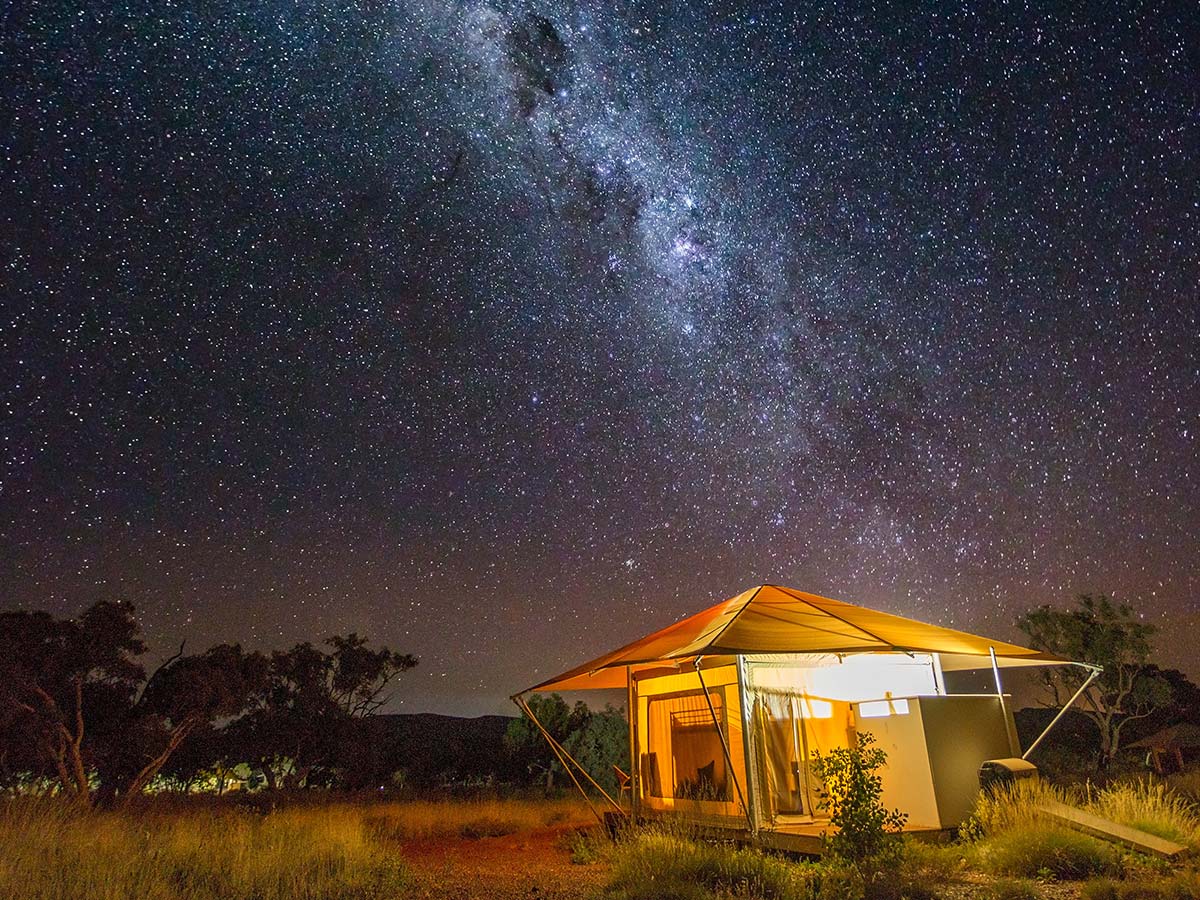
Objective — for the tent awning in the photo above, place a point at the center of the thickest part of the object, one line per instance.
(774, 619)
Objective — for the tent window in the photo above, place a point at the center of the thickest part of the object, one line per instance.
(698, 767)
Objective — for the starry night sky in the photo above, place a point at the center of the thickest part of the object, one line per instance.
(505, 333)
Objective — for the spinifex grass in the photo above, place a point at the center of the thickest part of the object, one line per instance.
(1150, 806)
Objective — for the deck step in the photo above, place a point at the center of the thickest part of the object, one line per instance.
(1096, 826)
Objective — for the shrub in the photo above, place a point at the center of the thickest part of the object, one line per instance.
(1042, 850)
(852, 793)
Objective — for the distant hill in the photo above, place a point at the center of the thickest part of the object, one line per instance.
(433, 748)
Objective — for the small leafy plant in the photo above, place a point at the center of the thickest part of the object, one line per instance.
(852, 792)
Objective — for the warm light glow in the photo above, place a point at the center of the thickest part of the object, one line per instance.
(816, 709)
(878, 709)
(865, 676)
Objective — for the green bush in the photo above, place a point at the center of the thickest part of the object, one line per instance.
(852, 792)
(1042, 851)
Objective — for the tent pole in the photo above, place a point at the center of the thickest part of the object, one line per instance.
(747, 738)
(724, 746)
(1095, 673)
(635, 777)
(562, 752)
(939, 677)
(1013, 746)
(524, 707)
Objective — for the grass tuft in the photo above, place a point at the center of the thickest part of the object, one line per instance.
(1043, 851)
(651, 864)
(1149, 806)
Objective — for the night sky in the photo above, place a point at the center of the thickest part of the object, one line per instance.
(506, 333)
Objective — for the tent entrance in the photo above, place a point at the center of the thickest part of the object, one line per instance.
(685, 759)
(790, 729)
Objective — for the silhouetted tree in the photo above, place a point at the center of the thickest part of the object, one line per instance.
(58, 677)
(183, 694)
(597, 740)
(1108, 634)
(308, 718)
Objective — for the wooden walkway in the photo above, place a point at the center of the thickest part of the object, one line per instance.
(1141, 841)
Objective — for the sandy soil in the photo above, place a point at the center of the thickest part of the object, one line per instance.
(531, 864)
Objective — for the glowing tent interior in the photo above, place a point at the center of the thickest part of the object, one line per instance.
(730, 707)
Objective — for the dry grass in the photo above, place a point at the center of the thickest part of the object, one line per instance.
(1017, 838)
(657, 864)
(1015, 807)
(1043, 851)
(1150, 806)
(221, 851)
(1180, 886)
(202, 852)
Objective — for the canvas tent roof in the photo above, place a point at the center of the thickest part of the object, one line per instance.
(774, 619)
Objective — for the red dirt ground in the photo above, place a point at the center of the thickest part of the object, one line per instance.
(528, 865)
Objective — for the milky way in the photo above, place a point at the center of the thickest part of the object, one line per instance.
(504, 334)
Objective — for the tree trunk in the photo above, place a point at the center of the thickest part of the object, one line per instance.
(153, 767)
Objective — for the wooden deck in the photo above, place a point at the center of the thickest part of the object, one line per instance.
(1141, 841)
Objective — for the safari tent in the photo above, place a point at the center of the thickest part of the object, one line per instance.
(729, 708)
